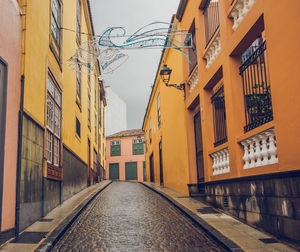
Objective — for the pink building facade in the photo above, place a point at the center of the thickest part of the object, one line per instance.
(125, 158)
(10, 61)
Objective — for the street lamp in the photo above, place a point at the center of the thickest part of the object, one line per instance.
(165, 74)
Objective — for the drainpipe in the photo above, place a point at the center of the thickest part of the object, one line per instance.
(19, 159)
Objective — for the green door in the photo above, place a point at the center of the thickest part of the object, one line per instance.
(131, 171)
(114, 171)
(144, 171)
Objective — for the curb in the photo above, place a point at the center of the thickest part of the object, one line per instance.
(226, 243)
(59, 231)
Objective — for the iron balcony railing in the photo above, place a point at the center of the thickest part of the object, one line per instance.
(257, 91)
(219, 114)
(211, 19)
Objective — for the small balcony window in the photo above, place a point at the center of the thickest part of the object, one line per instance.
(211, 19)
(219, 114)
(256, 86)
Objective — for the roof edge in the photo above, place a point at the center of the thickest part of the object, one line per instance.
(181, 9)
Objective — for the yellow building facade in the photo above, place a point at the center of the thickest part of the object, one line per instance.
(166, 156)
(237, 122)
(63, 124)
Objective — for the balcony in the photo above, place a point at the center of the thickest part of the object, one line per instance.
(213, 51)
(220, 161)
(239, 10)
(257, 90)
(193, 81)
(260, 149)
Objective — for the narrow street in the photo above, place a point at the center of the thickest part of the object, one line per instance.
(129, 217)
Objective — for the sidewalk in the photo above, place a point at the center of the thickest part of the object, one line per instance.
(233, 234)
(40, 235)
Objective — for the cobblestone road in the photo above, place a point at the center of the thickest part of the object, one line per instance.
(129, 217)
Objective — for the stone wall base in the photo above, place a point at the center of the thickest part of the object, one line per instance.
(270, 202)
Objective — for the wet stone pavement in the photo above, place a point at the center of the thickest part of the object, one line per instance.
(129, 217)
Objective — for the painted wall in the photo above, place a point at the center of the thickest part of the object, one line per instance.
(126, 156)
(40, 60)
(10, 52)
(282, 62)
(172, 131)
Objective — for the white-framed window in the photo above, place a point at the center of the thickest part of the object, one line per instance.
(56, 21)
(53, 134)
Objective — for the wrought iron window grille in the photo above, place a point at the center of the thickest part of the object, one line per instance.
(219, 117)
(257, 90)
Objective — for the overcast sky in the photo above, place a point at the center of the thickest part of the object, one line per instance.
(133, 80)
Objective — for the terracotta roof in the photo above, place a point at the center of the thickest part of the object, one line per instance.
(127, 133)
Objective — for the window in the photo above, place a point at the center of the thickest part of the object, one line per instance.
(219, 114)
(95, 126)
(100, 112)
(95, 91)
(137, 146)
(192, 51)
(78, 84)
(89, 111)
(158, 110)
(211, 19)
(115, 148)
(95, 161)
(150, 135)
(78, 130)
(53, 132)
(256, 86)
(56, 21)
(78, 23)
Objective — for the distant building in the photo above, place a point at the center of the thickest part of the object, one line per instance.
(125, 159)
(116, 112)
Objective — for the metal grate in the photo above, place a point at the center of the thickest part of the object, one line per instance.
(225, 201)
(257, 91)
(219, 114)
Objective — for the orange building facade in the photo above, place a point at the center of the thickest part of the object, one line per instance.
(241, 111)
(125, 159)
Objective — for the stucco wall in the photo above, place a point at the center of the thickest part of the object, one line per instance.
(10, 51)
(126, 156)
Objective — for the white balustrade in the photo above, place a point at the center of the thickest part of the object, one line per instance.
(193, 81)
(213, 51)
(220, 161)
(260, 149)
(239, 11)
